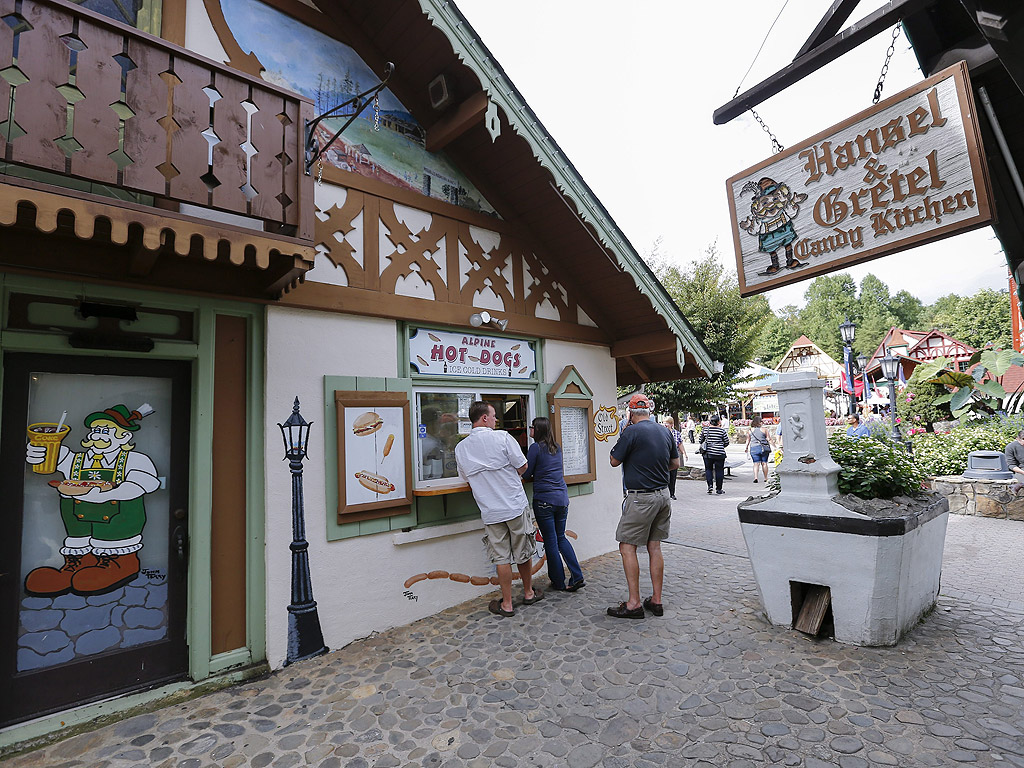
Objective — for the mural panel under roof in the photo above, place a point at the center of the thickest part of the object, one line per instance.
(388, 146)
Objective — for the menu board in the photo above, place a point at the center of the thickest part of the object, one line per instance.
(575, 434)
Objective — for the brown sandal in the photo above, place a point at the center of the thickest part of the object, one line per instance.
(495, 607)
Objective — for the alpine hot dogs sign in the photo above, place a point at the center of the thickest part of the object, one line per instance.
(460, 355)
(907, 171)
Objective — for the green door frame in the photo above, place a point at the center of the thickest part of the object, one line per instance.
(201, 351)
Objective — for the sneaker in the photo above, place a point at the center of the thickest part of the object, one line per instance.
(672, 497)
(656, 608)
(719, 491)
(620, 611)
(710, 489)
(755, 479)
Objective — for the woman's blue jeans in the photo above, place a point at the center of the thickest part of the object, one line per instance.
(551, 521)
(714, 470)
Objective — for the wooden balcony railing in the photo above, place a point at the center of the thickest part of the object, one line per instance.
(85, 96)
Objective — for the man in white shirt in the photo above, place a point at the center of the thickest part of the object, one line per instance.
(491, 461)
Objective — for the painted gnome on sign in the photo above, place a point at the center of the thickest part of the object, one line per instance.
(771, 217)
(101, 504)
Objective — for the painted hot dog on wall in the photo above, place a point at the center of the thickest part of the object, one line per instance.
(367, 423)
(375, 483)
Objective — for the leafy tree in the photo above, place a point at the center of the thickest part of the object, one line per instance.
(779, 334)
(932, 311)
(830, 300)
(876, 317)
(977, 320)
(920, 403)
(908, 309)
(730, 327)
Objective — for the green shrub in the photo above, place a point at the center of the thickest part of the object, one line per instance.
(871, 469)
(946, 454)
(875, 470)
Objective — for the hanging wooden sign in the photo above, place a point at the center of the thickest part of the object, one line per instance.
(907, 171)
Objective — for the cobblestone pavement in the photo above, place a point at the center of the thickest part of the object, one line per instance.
(561, 684)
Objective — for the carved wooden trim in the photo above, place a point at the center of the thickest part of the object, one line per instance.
(466, 268)
(162, 230)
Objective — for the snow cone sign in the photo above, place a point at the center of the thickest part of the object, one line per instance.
(907, 171)
(443, 353)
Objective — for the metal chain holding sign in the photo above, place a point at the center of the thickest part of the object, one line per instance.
(776, 146)
(885, 66)
(376, 112)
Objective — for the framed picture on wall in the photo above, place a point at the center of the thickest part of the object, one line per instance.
(571, 404)
(374, 460)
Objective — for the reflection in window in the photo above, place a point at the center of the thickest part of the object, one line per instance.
(442, 420)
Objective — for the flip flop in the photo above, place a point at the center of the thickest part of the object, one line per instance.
(537, 597)
(495, 607)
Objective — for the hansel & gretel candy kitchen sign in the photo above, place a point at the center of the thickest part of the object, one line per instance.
(907, 171)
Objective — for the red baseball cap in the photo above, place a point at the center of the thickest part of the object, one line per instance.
(640, 402)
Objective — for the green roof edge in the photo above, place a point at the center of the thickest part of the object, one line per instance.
(468, 46)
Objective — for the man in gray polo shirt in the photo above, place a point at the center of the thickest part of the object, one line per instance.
(647, 453)
(1015, 456)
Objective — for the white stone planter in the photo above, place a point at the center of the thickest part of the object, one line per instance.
(883, 574)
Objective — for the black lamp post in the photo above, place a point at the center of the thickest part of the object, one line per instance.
(862, 363)
(305, 638)
(890, 369)
(847, 331)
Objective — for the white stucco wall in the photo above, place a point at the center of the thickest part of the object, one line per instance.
(358, 583)
(594, 516)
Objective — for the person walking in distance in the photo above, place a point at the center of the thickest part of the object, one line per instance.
(677, 438)
(713, 441)
(691, 428)
(647, 453)
(492, 462)
(551, 505)
(759, 446)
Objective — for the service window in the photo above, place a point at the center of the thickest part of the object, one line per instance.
(442, 422)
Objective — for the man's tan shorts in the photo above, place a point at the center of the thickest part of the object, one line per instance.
(511, 541)
(645, 517)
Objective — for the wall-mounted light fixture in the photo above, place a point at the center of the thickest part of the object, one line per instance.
(478, 319)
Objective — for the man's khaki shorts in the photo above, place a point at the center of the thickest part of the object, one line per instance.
(511, 541)
(645, 517)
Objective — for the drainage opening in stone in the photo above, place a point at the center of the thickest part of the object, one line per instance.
(812, 609)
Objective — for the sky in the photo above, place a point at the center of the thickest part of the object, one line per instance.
(628, 91)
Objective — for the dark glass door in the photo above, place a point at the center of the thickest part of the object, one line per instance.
(95, 475)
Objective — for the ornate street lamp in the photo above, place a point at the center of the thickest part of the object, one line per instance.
(890, 370)
(862, 363)
(305, 637)
(847, 331)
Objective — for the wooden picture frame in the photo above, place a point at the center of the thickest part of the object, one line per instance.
(373, 455)
(568, 395)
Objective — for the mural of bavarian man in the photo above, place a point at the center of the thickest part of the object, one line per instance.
(772, 212)
(104, 523)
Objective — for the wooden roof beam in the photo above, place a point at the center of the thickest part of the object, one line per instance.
(830, 23)
(844, 42)
(641, 369)
(645, 345)
(456, 122)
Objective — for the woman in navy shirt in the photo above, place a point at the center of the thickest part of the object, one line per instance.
(551, 505)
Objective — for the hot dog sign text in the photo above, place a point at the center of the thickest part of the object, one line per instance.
(442, 353)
